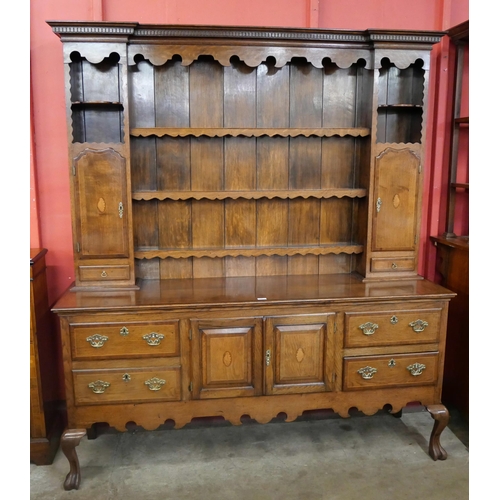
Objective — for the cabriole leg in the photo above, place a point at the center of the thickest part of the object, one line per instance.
(69, 441)
(441, 418)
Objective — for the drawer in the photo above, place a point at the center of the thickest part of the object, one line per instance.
(377, 372)
(127, 385)
(104, 273)
(125, 340)
(380, 328)
(384, 264)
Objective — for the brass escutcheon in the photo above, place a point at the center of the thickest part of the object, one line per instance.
(97, 340)
(126, 377)
(394, 320)
(153, 338)
(99, 386)
(268, 357)
(392, 363)
(104, 274)
(379, 204)
(120, 210)
(123, 331)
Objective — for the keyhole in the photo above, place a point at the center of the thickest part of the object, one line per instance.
(126, 377)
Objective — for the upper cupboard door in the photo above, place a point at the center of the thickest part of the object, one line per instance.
(395, 197)
(100, 204)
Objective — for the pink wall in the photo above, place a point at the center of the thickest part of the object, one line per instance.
(50, 205)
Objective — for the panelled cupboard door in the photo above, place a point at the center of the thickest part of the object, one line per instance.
(227, 357)
(395, 198)
(100, 204)
(299, 354)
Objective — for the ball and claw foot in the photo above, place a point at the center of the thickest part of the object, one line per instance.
(441, 418)
(69, 441)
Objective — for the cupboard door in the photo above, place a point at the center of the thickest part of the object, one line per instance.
(100, 204)
(299, 354)
(395, 198)
(227, 358)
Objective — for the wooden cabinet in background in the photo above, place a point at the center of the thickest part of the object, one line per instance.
(46, 422)
(246, 215)
(453, 244)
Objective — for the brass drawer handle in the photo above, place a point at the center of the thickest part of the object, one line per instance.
(367, 372)
(268, 357)
(97, 340)
(155, 383)
(419, 325)
(368, 328)
(153, 338)
(416, 369)
(99, 386)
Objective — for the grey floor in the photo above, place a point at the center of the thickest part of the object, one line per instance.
(315, 458)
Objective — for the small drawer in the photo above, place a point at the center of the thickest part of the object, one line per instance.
(378, 372)
(104, 273)
(125, 340)
(384, 264)
(127, 385)
(377, 328)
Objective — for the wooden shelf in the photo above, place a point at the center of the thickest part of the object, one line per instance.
(151, 253)
(249, 132)
(249, 195)
(410, 106)
(96, 103)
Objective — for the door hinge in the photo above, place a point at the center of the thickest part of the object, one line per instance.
(190, 386)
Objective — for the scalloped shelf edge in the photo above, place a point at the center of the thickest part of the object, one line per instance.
(247, 252)
(248, 132)
(234, 195)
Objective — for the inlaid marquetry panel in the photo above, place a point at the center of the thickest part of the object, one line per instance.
(298, 354)
(227, 358)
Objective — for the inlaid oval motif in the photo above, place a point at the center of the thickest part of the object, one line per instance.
(227, 359)
(396, 201)
(300, 354)
(101, 205)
